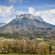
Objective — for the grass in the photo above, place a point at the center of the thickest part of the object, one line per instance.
(25, 54)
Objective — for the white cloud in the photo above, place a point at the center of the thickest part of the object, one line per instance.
(20, 12)
(48, 16)
(30, 11)
(14, 1)
(33, 11)
(21, 1)
(6, 13)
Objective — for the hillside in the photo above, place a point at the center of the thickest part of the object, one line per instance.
(29, 25)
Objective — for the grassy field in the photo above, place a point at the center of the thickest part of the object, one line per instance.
(25, 54)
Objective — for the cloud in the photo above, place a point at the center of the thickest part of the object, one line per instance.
(6, 12)
(20, 12)
(33, 11)
(48, 16)
(14, 1)
(21, 1)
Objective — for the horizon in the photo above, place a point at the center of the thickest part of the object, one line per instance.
(43, 8)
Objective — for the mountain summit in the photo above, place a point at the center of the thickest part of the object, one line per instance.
(29, 16)
(28, 20)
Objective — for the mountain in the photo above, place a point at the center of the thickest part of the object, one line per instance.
(2, 24)
(27, 24)
(28, 20)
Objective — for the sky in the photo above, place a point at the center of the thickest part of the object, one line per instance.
(43, 8)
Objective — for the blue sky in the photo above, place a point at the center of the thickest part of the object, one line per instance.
(44, 8)
(24, 4)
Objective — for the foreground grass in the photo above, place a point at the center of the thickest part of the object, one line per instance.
(25, 54)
